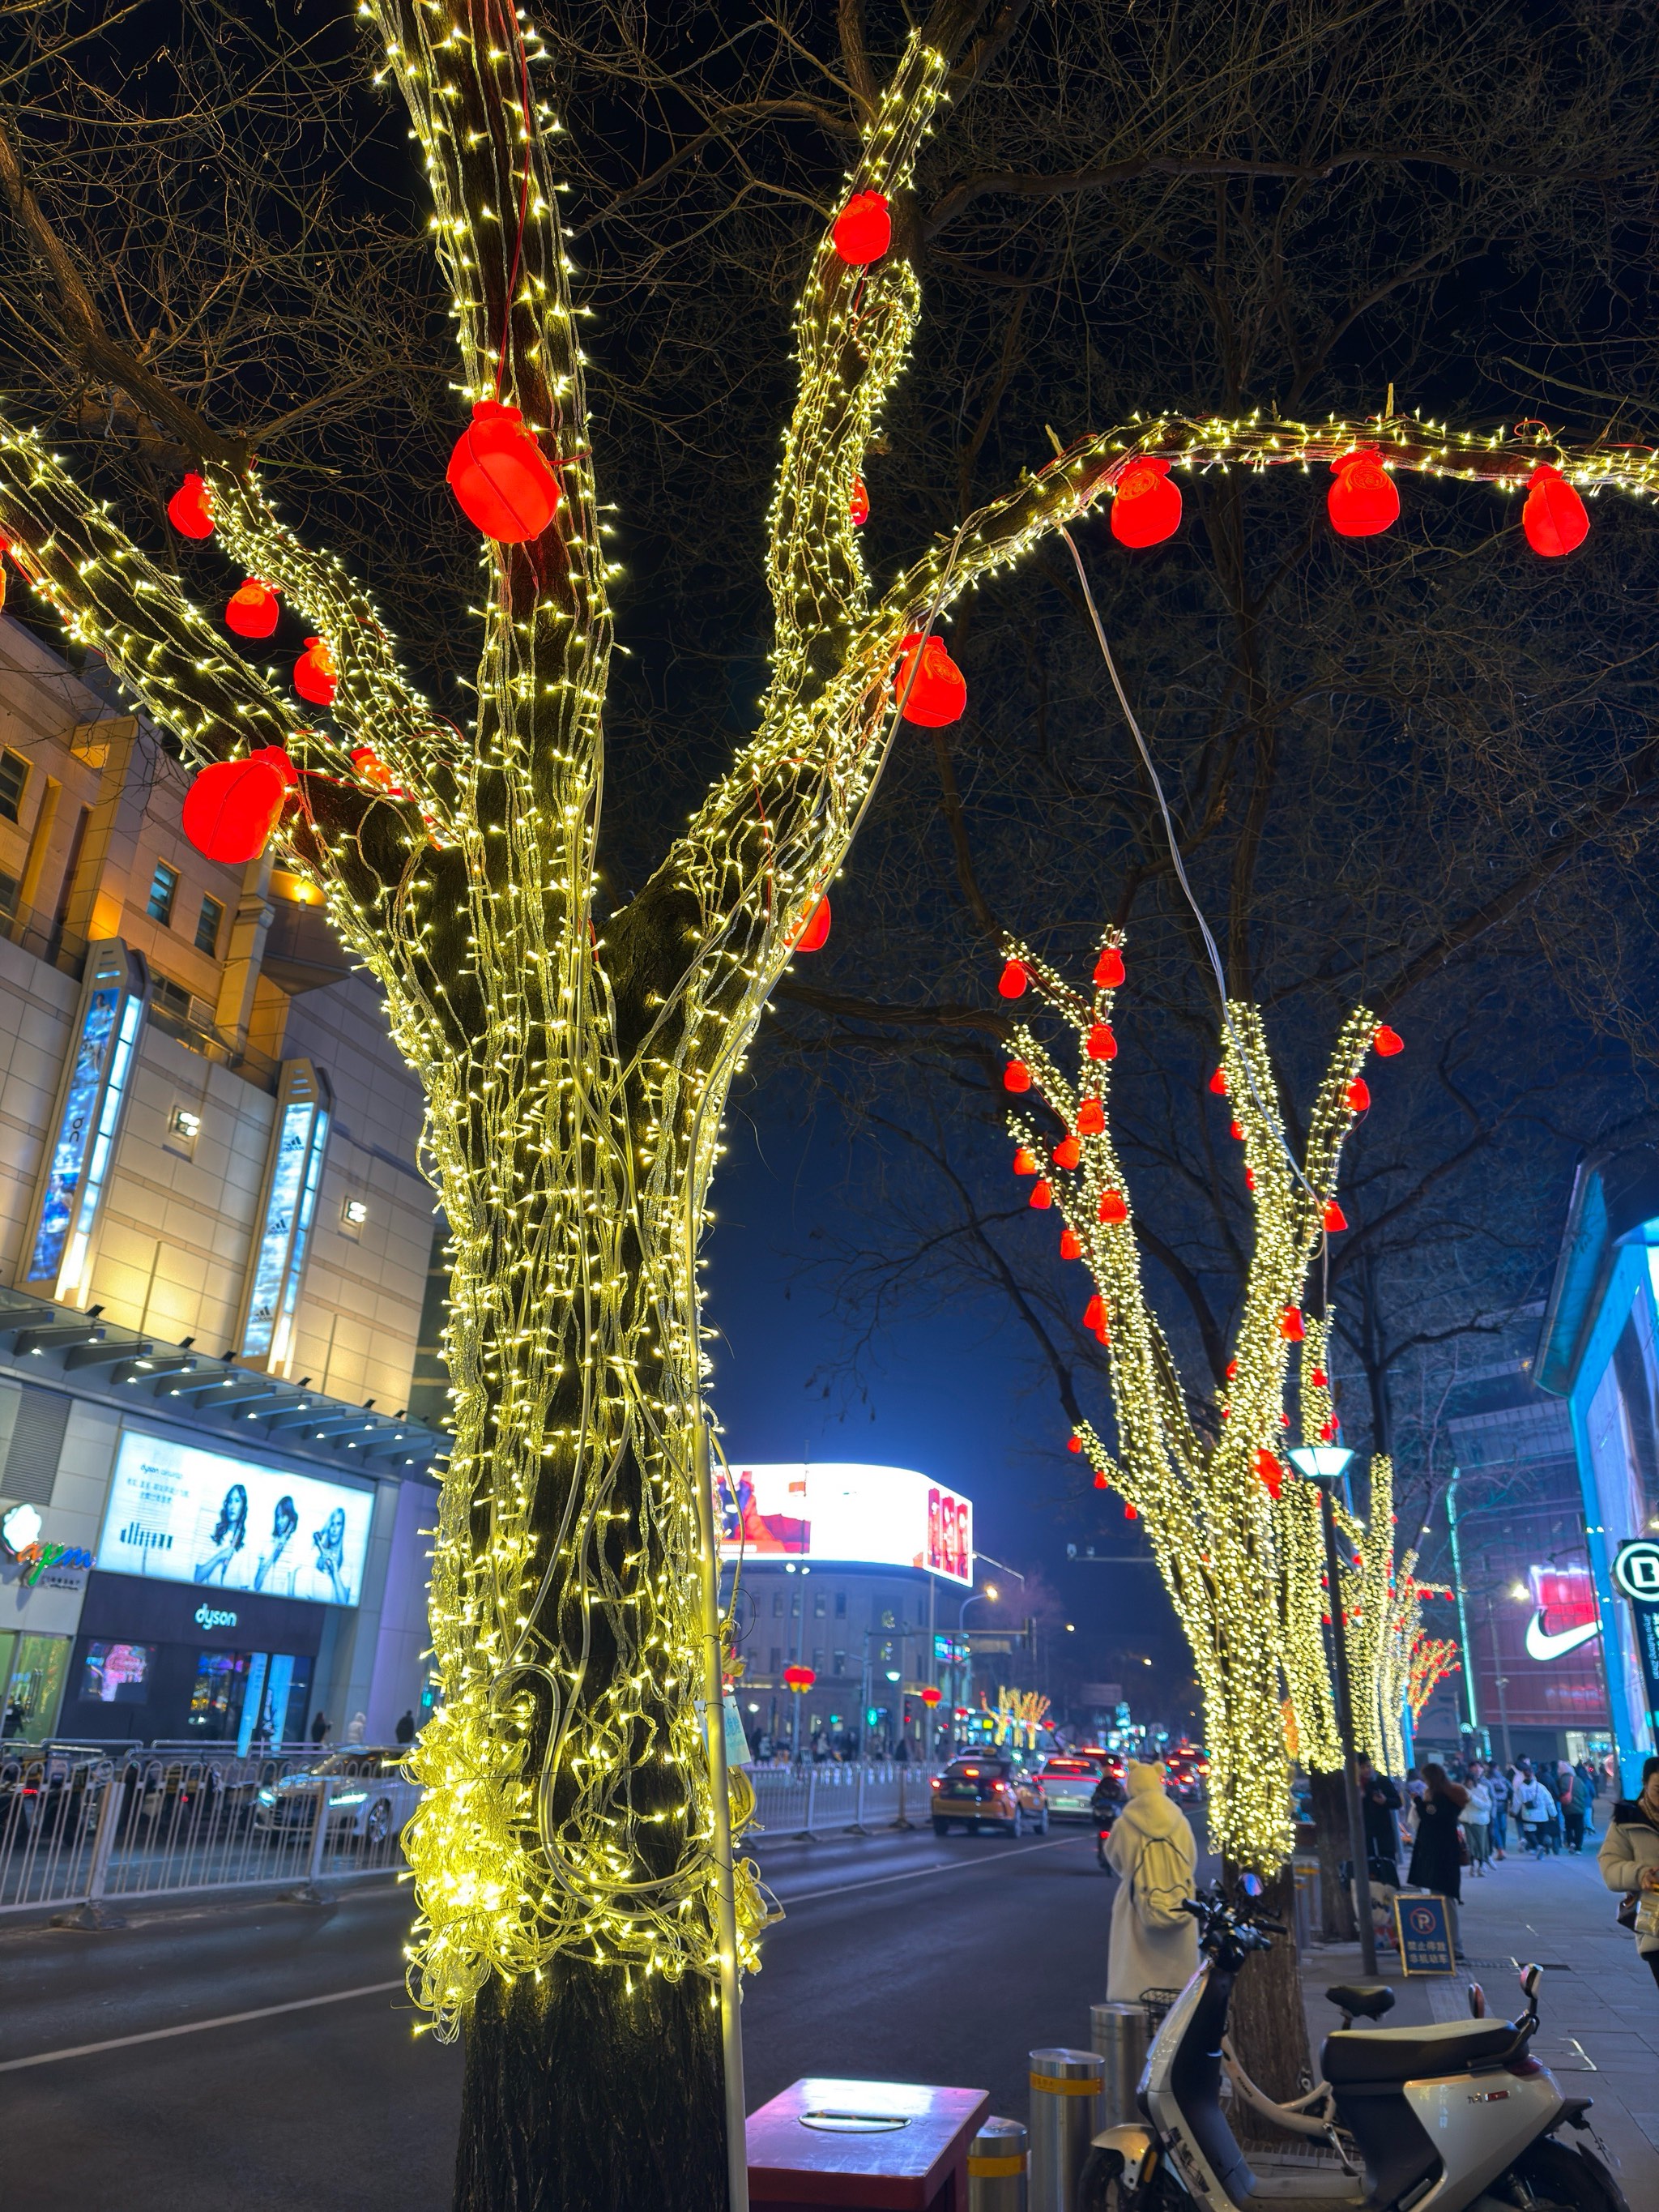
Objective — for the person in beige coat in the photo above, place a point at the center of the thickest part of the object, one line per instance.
(1629, 1857)
(1154, 1945)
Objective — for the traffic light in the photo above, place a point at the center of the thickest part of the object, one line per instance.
(874, 1715)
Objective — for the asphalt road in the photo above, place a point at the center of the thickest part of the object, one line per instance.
(902, 1957)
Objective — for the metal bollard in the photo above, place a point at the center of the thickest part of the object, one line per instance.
(997, 2160)
(93, 1912)
(1065, 2113)
(1121, 2035)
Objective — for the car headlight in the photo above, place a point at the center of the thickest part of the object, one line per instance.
(351, 1797)
(267, 1796)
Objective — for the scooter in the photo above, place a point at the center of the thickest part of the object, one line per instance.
(1457, 2117)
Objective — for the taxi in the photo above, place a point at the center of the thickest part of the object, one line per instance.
(1068, 1784)
(989, 1789)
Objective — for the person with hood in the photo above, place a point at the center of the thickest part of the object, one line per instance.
(1629, 1860)
(1154, 1944)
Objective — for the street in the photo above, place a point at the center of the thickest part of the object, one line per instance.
(902, 1955)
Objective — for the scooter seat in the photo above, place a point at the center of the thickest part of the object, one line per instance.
(1359, 2056)
(1369, 1999)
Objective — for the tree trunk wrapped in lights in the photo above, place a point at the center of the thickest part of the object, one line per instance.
(1383, 1608)
(1431, 1659)
(574, 1080)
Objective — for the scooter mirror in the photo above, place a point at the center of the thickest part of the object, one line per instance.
(1250, 1884)
(1531, 1981)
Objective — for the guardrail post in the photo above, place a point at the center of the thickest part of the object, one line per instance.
(858, 1828)
(311, 1890)
(812, 1801)
(93, 1912)
(904, 1772)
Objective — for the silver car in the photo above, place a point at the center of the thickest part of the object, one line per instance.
(1068, 1784)
(370, 1796)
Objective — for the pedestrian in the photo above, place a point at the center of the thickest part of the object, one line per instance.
(1497, 1783)
(1629, 1860)
(1551, 1810)
(319, 1728)
(1379, 1800)
(1436, 1855)
(406, 1727)
(1574, 1800)
(1532, 1808)
(1477, 1818)
(1154, 1942)
(354, 1727)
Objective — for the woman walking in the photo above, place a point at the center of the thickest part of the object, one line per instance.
(1154, 1944)
(1477, 1819)
(1437, 1857)
(1629, 1860)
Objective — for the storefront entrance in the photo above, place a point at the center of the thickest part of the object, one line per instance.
(159, 1662)
(33, 1672)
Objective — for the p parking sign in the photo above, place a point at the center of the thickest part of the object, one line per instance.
(1424, 1933)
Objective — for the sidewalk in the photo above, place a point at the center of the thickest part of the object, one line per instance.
(1598, 2009)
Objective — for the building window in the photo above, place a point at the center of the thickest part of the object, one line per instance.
(777, 1605)
(163, 890)
(172, 998)
(820, 1601)
(13, 777)
(841, 1662)
(207, 926)
(777, 1659)
(9, 889)
(817, 1658)
(841, 1604)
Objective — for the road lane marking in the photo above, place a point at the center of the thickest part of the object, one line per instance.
(915, 1873)
(195, 2027)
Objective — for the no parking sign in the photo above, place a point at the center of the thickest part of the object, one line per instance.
(1425, 1943)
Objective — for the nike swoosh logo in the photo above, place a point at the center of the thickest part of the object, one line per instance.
(1540, 1645)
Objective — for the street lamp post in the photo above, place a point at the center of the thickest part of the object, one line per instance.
(1323, 1464)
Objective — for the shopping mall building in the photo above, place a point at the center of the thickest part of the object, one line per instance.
(214, 1251)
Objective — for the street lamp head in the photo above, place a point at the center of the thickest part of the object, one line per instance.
(991, 1590)
(1321, 1463)
(1519, 1591)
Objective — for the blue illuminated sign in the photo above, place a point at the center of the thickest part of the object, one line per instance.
(293, 1174)
(89, 1118)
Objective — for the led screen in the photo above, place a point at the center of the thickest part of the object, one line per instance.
(179, 1515)
(887, 1516)
(117, 1674)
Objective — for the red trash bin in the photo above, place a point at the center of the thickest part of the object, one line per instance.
(882, 2146)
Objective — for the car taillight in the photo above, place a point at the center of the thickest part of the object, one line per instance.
(936, 1783)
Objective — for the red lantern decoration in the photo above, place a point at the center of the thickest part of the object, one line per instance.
(1328, 1431)
(1130, 1513)
(1112, 1207)
(864, 229)
(1386, 1042)
(1218, 1083)
(372, 770)
(232, 807)
(1071, 1246)
(1024, 1161)
(1249, 1178)
(1074, 1443)
(1068, 1152)
(1320, 1379)
(501, 479)
(814, 930)
(1043, 1194)
(1359, 1094)
(1289, 1325)
(1232, 1369)
(1012, 980)
(1100, 1482)
(1335, 1218)
(252, 611)
(798, 1678)
(315, 675)
(1554, 517)
(940, 692)
(1016, 1076)
(1363, 499)
(1271, 1471)
(930, 1696)
(1108, 969)
(1147, 507)
(859, 506)
(191, 508)
(1091, 1118)
(1235, 1132)
(1102, 1045)
(1094, 1316)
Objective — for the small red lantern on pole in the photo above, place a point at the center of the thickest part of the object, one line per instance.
(798, 1678)
(930, 1696)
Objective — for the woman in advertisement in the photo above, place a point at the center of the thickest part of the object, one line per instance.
(285, 1522)
(229, 1533)
(330, 1540)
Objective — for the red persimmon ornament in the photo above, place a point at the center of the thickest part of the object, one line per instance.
(1249, 1178)
(372, 770)
(1147, 507)
(1100, 1481)
(191, 508)
(315, 675)
(1386, 1042)
(1289, 1325)
(1012, 980)
(1068, 1152)
(1102, 1044)
(1094, 1314)
(1232, 1369)
(252, 611)
(1091, 1118)
(1112, 1207)
(1554, 517)
(1016, 1076)
(859, 507)
(1319, 1378)
(864, 229)
(1042, 1194)
(1131, 1513)
(1235, 1132)
(940, 692)
(1108, 969)
(1071, 1246)
(1271, 1471)
(1218, 1083)
(1363, 499)
(1335, 1218)
(1328, 1431)
(501, 479)
(1024, 1161)
(1359, 1094)
(814, 932)
(232, 806)
(1074, 1443)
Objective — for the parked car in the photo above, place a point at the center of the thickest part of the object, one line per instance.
(998, 1792)
(1188, 1770)
(1068, 1784)
(370, 1799)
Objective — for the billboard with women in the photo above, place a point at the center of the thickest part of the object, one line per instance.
(888, 1516)
(178, 1514)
